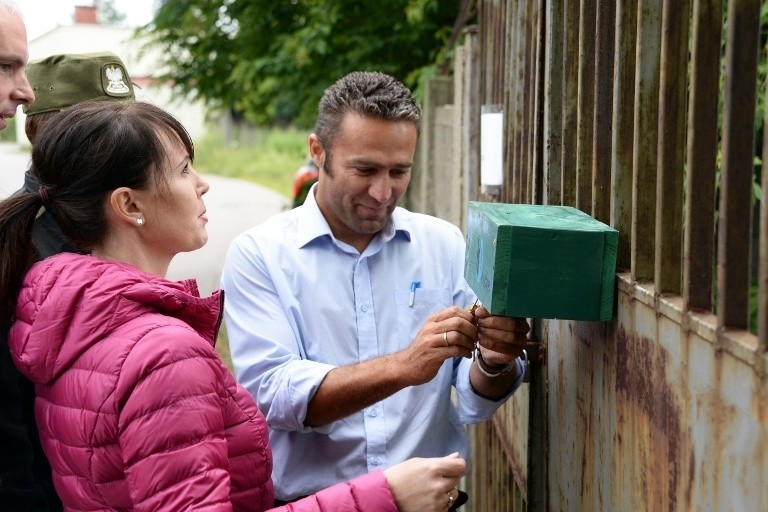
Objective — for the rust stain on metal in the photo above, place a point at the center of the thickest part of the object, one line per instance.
(642, 387)
(502, 434)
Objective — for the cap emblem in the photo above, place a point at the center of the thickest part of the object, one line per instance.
(116, 83)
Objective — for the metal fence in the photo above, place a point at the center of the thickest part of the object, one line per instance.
(641, 113)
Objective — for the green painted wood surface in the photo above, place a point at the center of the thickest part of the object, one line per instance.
(541, 261)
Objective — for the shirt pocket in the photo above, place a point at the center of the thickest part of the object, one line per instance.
(426, 301)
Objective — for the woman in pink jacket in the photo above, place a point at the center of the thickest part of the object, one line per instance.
(135, 409)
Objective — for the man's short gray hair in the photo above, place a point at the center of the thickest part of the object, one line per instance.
(369, 94)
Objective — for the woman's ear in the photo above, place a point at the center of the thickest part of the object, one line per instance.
(124, 206)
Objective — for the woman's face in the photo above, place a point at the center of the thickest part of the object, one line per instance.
(175, 212)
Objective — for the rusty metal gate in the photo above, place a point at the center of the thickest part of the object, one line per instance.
(641, 113)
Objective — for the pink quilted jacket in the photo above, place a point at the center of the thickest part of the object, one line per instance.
(136, 411)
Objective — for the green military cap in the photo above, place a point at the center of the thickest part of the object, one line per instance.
(63, 80)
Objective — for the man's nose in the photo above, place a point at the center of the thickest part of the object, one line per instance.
(381, 189)
(23, 92)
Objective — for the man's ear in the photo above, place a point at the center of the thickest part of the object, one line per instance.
(124, 206)
(316, 151)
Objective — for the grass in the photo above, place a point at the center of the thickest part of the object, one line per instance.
(268, 157)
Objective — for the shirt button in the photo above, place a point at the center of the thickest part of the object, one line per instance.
(373, 413)
(364, 309)
(376, 462)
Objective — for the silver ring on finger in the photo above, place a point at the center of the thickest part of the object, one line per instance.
(451, 499)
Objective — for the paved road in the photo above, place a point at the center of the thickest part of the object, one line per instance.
(233, 207)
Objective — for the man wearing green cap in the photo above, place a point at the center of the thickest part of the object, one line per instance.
(60, 81)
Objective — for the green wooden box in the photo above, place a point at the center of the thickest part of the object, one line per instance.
(541, 261)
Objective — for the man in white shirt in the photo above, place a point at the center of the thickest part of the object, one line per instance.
(347, 316)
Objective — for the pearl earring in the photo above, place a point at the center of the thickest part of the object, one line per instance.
(140, 221)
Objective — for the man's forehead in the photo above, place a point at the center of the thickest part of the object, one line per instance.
(13, 37)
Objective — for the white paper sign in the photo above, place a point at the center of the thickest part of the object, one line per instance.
(491, 148)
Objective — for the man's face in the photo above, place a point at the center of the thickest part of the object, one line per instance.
(14, 87)
(371, 168)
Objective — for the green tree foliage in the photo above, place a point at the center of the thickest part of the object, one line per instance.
(271, 59)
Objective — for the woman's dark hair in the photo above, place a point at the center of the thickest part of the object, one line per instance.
(80, 156)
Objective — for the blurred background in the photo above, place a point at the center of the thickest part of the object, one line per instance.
(245, 76)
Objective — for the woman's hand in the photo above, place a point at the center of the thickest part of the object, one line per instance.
(426, 485)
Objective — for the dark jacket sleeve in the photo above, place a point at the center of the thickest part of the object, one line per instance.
(25, 474)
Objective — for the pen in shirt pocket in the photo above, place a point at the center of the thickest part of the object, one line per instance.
(414, 285)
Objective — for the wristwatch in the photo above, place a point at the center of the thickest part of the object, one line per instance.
(490, 371)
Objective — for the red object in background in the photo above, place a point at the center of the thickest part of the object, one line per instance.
(305, 175)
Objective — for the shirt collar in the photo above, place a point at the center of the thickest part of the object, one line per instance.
(311, 223)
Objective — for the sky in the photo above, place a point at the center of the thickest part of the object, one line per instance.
(40, 16)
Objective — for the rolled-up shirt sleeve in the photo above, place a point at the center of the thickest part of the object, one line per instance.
(474, 408)
(266, 351)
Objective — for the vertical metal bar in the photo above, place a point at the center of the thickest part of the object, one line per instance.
(570, 97)
(537, 463)
(537, 133)
(645, 139)
(517, 85)
(738, 154)
(605, 43)
(671, 153)
(622, 141)
(529, 100)
(698, 247)
(500, 79)
(524, 107)
(762, 268)
(586, 110)
(553, 101)
(511, 106)
(502, 14)
(492, 51)
(484, 21)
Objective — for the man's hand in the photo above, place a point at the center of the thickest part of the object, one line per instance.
(347, 389)
(501, 338)
(446, 334)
